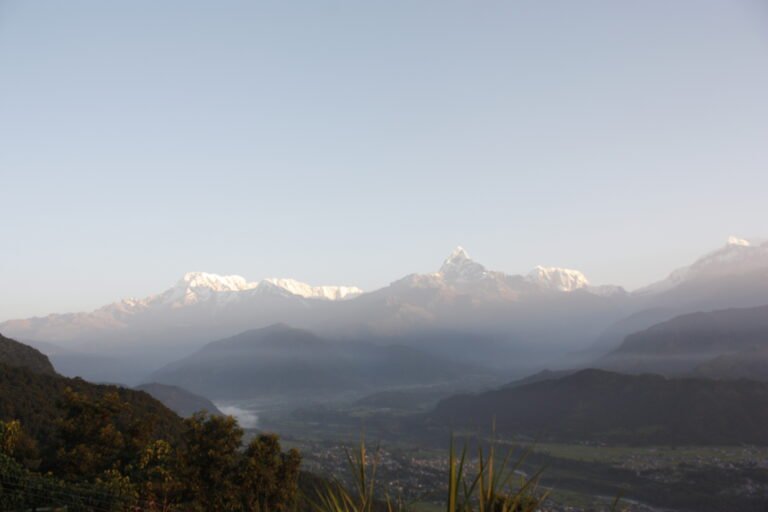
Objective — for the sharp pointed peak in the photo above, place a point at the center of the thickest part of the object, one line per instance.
(458, 253)
(458, 265)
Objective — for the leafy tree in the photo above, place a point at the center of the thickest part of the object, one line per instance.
(17, 444)
(91, 442)
(209, 460)
(268, 477)
(161, 487)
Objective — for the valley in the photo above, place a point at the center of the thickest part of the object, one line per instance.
(412, 463)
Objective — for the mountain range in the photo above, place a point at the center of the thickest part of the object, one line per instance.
(463, 311)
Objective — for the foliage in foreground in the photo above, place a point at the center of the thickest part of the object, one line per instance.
(105, 458)
(485, 485)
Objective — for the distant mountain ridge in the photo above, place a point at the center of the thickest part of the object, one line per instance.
(281, 362)
(182, 402)
(600, 406)
(463, 311)
(216, 295)
(195, 291)
(727, 343)
(733, 276)
(738, 256)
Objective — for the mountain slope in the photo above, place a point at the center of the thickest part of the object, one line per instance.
(689, 341)
(36, 399)
(284, 362)
(180, 401)
(733, 276)
(13, 353)
(600, 406)
(198, 302)
(751, 364)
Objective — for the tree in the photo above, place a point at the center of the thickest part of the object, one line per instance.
(268, 477)
(160, 485)
(98, 435)
(17, 444)
(209, 460)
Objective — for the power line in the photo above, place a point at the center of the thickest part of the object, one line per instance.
(48, 491)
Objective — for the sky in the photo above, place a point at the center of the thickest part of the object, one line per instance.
(346, 142)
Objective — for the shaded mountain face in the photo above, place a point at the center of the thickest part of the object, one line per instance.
(727, 343)
(13, 353)
(747, 364)
(182, 402)
(540, 377)
(600, 406)
(279, 362)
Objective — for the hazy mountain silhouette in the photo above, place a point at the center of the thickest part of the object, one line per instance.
(726, 343)
(283, 362)
(600, 406)
(182, 402)
(733, 276)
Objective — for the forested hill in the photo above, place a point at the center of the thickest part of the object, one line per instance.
(601, 406)
(38, 402)
(13, 353)
(69, 444)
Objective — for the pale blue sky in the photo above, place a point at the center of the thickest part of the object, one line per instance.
(355, 142)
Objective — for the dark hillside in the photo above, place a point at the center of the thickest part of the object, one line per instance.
(601, 406)
(13, 353)
(36, 400)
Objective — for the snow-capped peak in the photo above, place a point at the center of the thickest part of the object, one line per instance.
(734, 240)
(560, 279)
(195, 287)
(215, 282)
(459, 267)
(738, 256)
(458, 254)
(314, 292)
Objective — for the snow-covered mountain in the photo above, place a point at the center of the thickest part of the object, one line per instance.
(738, 257)
(463, 275)
(196, 286)
(315, 292)
(733, 276)
(197, 299)
(560, 279)
(458, 267)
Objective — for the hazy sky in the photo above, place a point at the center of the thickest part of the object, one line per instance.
(348, 142)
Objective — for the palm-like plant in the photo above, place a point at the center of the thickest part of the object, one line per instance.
(488, 489)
